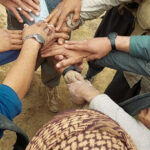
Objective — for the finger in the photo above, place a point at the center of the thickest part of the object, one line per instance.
(66, 62)
(61, 20)
(17, 42)
(65, 29)
(16, 47)
(16, 36)
(61, 35)
(37, 2)
(32, 4)
(48, 44)
(55, 18)
(14, 31)
(61, 41)
(22, 5)
(79, 47)
(59, 57)
(51, 50)
(26, 15)
(48, 19)
(17, 15)
(34, 11)
(75, 42)
(76, 16)
(51, 47)
(52, 53)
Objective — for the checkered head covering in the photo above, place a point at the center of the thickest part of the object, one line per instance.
(81, 130)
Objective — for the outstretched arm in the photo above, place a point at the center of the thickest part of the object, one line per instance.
(20, 76)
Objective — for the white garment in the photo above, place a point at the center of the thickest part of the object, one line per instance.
(92, 9)
(137, 131)
(98, 6)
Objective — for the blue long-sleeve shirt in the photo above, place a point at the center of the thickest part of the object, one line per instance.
(10, 104)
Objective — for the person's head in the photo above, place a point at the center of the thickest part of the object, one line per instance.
(81, 129)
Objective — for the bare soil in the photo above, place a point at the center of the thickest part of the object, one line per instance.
(35, 111)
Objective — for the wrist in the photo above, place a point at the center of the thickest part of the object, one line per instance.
(123, 43)
(32, 43)
(109, 47)
(91, 96)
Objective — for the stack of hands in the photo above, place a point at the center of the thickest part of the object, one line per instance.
(66, 53)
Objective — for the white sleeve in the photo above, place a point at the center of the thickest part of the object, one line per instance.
(94, 5)
(94, 8)
(138, 132)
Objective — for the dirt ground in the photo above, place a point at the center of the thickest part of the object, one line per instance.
(35, 111)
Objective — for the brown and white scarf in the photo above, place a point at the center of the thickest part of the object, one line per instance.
(81, 130)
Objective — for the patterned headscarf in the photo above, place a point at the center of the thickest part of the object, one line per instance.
(81, 130)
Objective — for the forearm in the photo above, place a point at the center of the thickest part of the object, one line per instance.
(20, 76)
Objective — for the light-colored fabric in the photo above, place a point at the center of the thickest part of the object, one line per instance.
(133, 127)
(143, 14)
(81, 130)
(92, 9)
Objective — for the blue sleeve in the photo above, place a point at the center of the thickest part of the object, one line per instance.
(140, 47)
(6, 57)
(10, 104)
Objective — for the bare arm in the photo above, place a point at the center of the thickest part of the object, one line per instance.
(20, 76)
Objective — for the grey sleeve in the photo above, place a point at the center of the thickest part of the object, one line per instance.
(134, 128)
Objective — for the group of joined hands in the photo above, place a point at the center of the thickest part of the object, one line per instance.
(66, 53)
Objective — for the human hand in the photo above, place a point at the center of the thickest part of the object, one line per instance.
(70, 57)
(61, 12)
(73, 76)
(82, 91)
(64, 29)
(97, 47)
(42, 29)
(10, 40)
(26, 6)
(144, 117)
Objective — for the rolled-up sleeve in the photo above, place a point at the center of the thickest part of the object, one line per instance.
(140, 47)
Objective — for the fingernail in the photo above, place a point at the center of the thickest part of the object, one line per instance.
(66, 41)
(37, 13)
(31, 19)
(57, 28)
(21, 21)
(58, 65)
(29, 10)
(61, 42)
